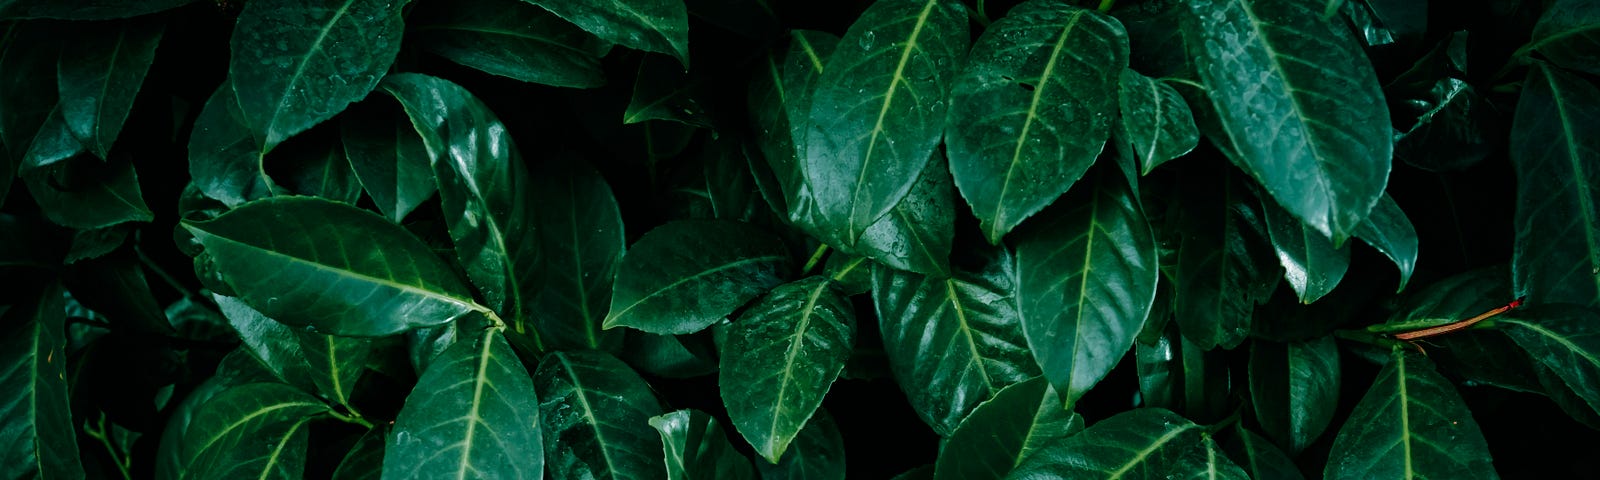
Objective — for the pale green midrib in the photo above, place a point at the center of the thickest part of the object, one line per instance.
(1083, 289)
(333, 369)
(480, 377)
(212, 440)
(589, 324)
(1405, 411)
(816, 61)
(1155, 95)
(656, 29)
(1558, 339)
(1027, 123)
(1585, 203)
(839, 277)
(634, 114)
(1539, 43)
(789, 360)
(277, 451)
(1142, 454)
(1033, 426)
(593, 421)
(734, 264)
(777, 85)
(967, 331)
(300, 70)
(933, 258)
(883, 112)
(498, 31)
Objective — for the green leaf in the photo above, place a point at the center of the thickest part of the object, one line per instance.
(236, 368)
(1146, 443)
(511, 39)
(916, 473)
(1259, 458)
(683, 276)
(1087, 279)
(852, 273)
(41, 441)
(96, 243)
(1155, 125)
(484, 190)
(364, 461)
(473, 413)
(336, 363)
(296, 63)
(85, 9)
(1566, 340)
(224, 161)
(816, 454)
(273, 344)
(1295, 389)
(595, 415)
(952, 342)
(660, 26)
(99, 75)
(1412, 424)
(1028, 113)
(717, 184)
(918, 233)
(1159, 363)
(314, 164)
(1004, 430)
(582, 231)
(662, 90)
(1311, 264)
(28, 89)
(52, 144)
(1565, 398)
(695, 447)
(1224, 265)
(257, 430)
(389, 159)
(291, 259)
(1566, 35)
(1555, 138)
(1308, 119)
(115, 286)
(1389, 230)
(668, 356)
(780, 358)
(84, 193)
(878, 110)
(1453, 298)
(780, 104)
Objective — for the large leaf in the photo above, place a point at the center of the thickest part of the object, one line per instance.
(683, 276)
(1224, 265)
(1311, 263)
(40, 441)
(99, 75)
(84, 193)
(473, 413)
(1295, 388)
(1029, 112)
(878, 111)
(272, 343)
(296, 63)
(1004, 430)
(256, 430)
(224, 161)
(780, 105)
(952, 342)
(918, 233)
(660, 26)
(1147, 443)
(1566, 35)
(84, 9)
(1155, 125)
(1301, 104)
(780, 358)
(291, 258)
(484, 190)
(817, 454)
(1259, 458)
(513, 39)
(1389, 230)
(1087, 279)
(595, 414)
(1555, 139)
(389, 159)
(695, 447)
(582, 231)
(1566, 340)
(1410, 424)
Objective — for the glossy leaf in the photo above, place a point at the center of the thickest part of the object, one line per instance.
(582, 231)
(878, 110)
(224, 160)
(717, 184)
(51, 145)
(1223, 268)
(256, 430)
(1566, 340)
(1030, 111)
(273, 344)
(1454, 298)
(595, 415)
(296, 63)
(389, 159)
(315, 165)
(696, 447)
(1086, 282)
(1259, 458)
(291, 258)
(336, 363)
(1311, 264)
(484, 190)
(37, 427)
(512, 39)
(236, 368)
(473, 413)
(1555, 138)
(84, 193)
(660, 26)
(1155, 125)
(662, 90)
(917, 234)
(1147, 443)
(1295, 389)
(683, 276)
(816, 454)
(852, 273)
(100, 73)
(85, 9)
(1004, 430)
(1308, 120)
(365, 459)
(1566, 35)
(1410, 423)
(952, 342)
(27, 90)
(780, 105)
(780, 358)
(1389, 230)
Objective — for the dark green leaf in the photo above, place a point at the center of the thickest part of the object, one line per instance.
(84, 193)
(115, 286)
(595, 415)
(37, 425)
(683, 276)
(669, 356)
(473, 413)
(917, 234)
(27, 90)
(1029, 112)
(1309, 120)
(224, 160)
(660, 26)
(52, 144)
(696, 448)
(257, 430)
(1295, 388)
(274, 344)
(1311, 263)
(717, 184)
(1259, 458)
(1565, 398)
(100, 73)
(1389, 230)
(582, 231)
(952, 342)
(780, 105)
(1454, 298)
(1224, 265)
(1159, 364)
(1087, 279)
(1566, 340)
(314, 164)
(336, 363)
(365, 459)
(389, 159)
(878, 111)
(296, 63)
(290, 258)
(1554, 141)
(85, 9)
(662, 90)
(484, 190)
(852, 273)
(917, 473)
(1566, 35)
(1156, 125)
(512, 39)
(780, 359)
(1004, 430)
(816, 454)
(755, 19)
(1451, 123)
(1147, 443)
(236, 368)
(1411, 423)
(95, 243)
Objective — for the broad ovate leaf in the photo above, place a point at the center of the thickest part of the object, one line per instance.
(1156, 124)
(40, 438)
(511, 38)
(316, 263)
(1294, 388)
(224, 161)
(388, 157)
(1147, 443)
(1566, 35)
(1004, 430)
(1555, 139)
(683, 276)
(1411, 424)
(1032, 109)
(272, 343)
(660, 26)
(595, 415)
(256, 430)
(1566, 340)
(917, 234)
(695, 447)
(1311, 263)
(581, 228)
(1389, 231)
(99, 75)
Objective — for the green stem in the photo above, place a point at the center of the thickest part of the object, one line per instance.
(979, 14)
(839, 277)
(1105, 5)
(816, 257)
(99, 433)
(1369, 338)
(353, 417)
(1231, 419)
(1183, 81)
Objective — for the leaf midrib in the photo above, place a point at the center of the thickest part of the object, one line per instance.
(967, 332)
(795, 341)
(300, 69)
(581, 394)
(1027, 124)
(612, 319)
(1585, 203)
(480, 377)
(1141, 455)
(883, 112)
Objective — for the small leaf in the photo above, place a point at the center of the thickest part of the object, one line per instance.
(314, 164)
(1004, 430)
(696, 447)
(1155, 125)
(100, 73)
(257, 430)
(1389, 230)
(1147, 443)
(364, 461)
(271, 343)
(582, 231)
(1411, 423)
(1295, 389)
(1311, 264)
(1259, 458)
(389, 159)
(1223, 268)
(224, 161)
(685, 275)
(918, 233)
(512, 39)
(1566, 340)
(35, 407)
(290, 258)
(662, 90)
(336, 363)
(1555, 138)
(660, 26)
(473, 412)
(595, 412)
(1566, 34)
(816, 454)
(84, 193)
(780, 358)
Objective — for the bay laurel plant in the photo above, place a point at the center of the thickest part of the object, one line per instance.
(685, 239)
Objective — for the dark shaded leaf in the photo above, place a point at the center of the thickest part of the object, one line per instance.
(96, 243)
(917, 234)
(1259, 458)
(1555, 138)
(1564, 339)
(389, 158)
(1389, 230)
(755, 20)
(1155, 125)
(1004, 430)
(1566, 35)
(27, 90)
(40, 441)
(662, 90)
(236, 368)
(595, 412)
(1411, 423)
(1454, 298)
(85, 9)
(116, 286)
(315, 165)
(100, 73)
(1295, 388)
(696, 447)
(852, 273)
(683, 276)
(273, 344)
(660, 26)
(224, 160)
(669, 356)
(1224, 265)
(512, 39)
(1147, 443)
(84, 193)
(1311, 264)
(581, 229)
(336, 363)
(257, 430)
(717, 184)
(365, 459)
(780, 107)
(816, 454)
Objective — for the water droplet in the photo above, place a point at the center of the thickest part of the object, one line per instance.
(867, 40)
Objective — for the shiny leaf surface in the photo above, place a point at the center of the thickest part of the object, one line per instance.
(917, 234)
(1389, 230)
(683, 276)
(1156, 125)
(1004, 430)
(582, 232)
(1566, 35)
(273, 344)
(1295, 389)
(1223, 269)
(1555, 138)
(1566, 340)
(389, 159)
(84, 193)
(511, 38)
(1411, 423)
(1311, 264)
(256, 430)
(816, 454)
(365, 459)
(100, 73)
(780, 106)
(696, 447)
(40, 441)
(224, 161)
(336, 363)
(595, 413)
(1259, 458)
(660, 26)
(1148, 443)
